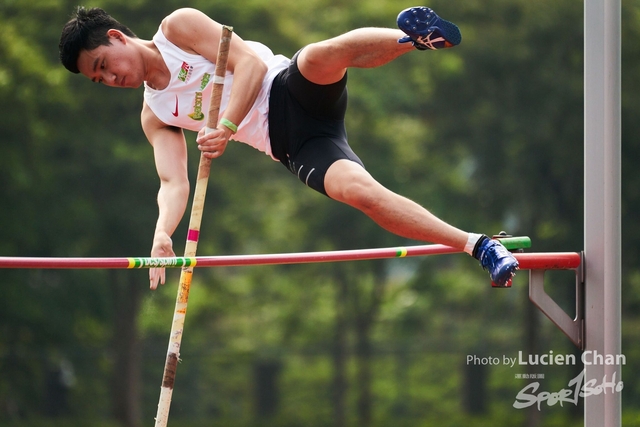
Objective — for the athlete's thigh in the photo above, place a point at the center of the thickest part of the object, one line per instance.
(346, 180)
(320, 101)
(314, 158)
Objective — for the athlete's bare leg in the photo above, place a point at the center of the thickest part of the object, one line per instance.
(327, 61)
(350, 183)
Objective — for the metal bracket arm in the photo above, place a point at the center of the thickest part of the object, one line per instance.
(572, 328)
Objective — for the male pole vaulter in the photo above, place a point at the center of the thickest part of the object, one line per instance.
(291, 109)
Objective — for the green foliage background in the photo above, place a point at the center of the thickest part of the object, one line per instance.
(489, 136)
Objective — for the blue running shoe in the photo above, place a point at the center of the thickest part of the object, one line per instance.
(495, 258)
(426, 30)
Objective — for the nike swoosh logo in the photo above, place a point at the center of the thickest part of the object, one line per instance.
(175, 113)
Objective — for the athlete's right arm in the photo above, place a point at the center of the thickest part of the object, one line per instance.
(170, 153)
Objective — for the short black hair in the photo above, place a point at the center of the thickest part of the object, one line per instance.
(87, 30)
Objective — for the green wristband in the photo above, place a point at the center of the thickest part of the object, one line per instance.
(229, 124)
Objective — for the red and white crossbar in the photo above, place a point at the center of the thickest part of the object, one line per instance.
(528, 261)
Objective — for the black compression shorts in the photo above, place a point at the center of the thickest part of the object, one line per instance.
(306, 125)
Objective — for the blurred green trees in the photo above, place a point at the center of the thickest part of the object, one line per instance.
(488, 136)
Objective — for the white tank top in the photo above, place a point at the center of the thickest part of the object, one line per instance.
(184, 103)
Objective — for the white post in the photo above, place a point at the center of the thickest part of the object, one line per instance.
(602, 188)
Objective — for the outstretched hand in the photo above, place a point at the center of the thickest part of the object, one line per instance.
(162, 248)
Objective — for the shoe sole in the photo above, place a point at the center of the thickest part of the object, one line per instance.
(506, 277)
(421, 22)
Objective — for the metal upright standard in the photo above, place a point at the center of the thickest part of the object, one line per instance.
(602, 188)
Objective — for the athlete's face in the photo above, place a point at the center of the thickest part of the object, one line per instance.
(115, 65)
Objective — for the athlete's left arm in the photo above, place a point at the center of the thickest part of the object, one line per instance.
(195, 32)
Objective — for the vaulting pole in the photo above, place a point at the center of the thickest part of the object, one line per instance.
(197, 209)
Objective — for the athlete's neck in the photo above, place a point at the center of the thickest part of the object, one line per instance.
(156, 73)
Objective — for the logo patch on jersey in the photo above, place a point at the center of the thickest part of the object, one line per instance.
(205, 80)
(185, 72)
(197, 108)
(175, 113)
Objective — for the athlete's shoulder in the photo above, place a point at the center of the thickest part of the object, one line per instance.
(183, 21)
(182, 15)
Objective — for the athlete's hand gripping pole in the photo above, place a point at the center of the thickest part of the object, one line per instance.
(177, 327)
